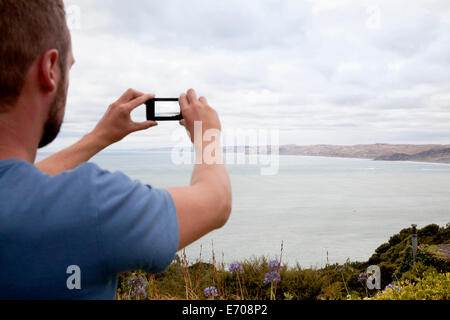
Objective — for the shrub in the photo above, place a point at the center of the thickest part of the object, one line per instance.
(432, 286)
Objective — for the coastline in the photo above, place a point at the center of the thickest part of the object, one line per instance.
(367, 159)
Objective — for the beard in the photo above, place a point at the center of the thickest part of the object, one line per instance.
(54, 121)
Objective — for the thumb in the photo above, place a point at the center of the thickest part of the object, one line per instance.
(138, 126)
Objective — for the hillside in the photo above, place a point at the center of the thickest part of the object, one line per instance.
(441, 156)
(379, 152)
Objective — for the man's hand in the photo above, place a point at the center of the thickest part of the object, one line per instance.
(195, 110)
(116, 124)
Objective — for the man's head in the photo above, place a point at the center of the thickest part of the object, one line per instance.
(34, 34)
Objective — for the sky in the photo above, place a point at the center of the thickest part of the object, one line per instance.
(317, 72)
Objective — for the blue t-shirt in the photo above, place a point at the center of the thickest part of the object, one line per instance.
(86, 224)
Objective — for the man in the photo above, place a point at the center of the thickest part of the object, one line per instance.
(67, 228)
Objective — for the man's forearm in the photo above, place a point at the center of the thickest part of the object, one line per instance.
(115, 125)
(72, 157)
(214, 177)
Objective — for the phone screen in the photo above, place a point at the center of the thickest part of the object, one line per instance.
(167, 109)
(163, 109)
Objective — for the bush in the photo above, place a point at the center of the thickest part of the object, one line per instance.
(432, 286)
(430, 230)
(303, 284)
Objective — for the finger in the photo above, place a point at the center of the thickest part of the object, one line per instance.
(183, 123)
(139, 101)
(192, 96)
(183, 102)
(130, 94)
(203, 100)
(139, 126)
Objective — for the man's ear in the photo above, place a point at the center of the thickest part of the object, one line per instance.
(48, 70)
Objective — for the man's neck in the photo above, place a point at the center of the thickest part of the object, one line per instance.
(13, 145)
(7, 154)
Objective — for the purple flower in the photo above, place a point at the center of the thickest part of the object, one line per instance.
(273, 265)
(363, 277)
(393, 287)
(236, 268)
(211, 292)
(273, 277)
(138, 287)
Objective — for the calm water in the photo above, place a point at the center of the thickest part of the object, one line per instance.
(347, 207)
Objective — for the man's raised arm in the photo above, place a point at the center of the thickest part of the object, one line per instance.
(206, 204)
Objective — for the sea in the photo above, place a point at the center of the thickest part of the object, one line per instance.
(313, 211)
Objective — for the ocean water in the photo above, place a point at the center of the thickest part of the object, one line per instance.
(314, 205)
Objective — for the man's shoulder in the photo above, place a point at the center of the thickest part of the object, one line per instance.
(97, 176)
(99, 183)
(89, 172)
(82, 170)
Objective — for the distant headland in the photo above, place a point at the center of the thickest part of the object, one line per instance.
(379, 152)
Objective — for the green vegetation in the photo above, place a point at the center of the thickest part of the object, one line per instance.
(432, 286)
(261, 279)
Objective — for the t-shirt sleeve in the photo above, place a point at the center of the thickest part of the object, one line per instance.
(137, 224)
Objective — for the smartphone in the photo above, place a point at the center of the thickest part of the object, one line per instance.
(169, 110)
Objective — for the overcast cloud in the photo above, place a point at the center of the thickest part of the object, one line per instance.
(321, 72)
